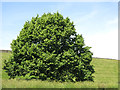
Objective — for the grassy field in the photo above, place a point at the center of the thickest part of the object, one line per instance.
(106, 76)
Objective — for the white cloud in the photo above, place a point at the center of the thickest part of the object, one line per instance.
(85, 22)
(104, 41)
(84, 18)
(104, 45)
(113, 21)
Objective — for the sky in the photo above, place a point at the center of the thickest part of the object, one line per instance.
(96, 21)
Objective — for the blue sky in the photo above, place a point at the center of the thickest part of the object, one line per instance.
(96, 21)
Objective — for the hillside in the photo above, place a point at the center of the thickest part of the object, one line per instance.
(106, 76)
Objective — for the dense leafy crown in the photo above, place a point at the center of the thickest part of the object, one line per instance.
(48, 48)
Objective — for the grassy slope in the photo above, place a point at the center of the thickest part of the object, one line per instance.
(106, 76)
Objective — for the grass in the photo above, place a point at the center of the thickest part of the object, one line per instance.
(106, 76)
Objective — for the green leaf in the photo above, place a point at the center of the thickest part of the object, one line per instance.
(45, 49)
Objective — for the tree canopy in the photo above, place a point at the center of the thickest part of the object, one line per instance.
(49, 48)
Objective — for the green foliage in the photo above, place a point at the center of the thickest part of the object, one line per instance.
(48, 48)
